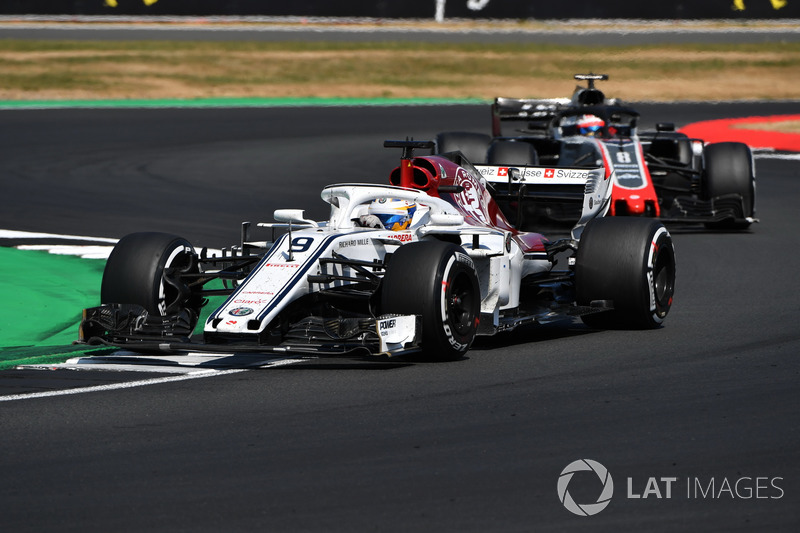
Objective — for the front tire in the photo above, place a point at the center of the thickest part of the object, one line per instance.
(630, 261)
(145, 269)
(729, 170)
(437, 280)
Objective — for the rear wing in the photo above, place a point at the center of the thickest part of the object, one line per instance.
(538, 113)
(588, 187)
(539, 175)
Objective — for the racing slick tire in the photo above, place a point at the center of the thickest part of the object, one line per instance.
(512, 153)
(145, 268)
(474, 146)
(437, 280)
(729, 170)
(631, 262)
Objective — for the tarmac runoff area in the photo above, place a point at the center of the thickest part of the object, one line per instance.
(575, 31)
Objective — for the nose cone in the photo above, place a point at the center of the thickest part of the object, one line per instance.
(636, 206)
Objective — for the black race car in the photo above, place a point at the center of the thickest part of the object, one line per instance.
(660, 173)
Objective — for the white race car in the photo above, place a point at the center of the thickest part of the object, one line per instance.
(420, 266)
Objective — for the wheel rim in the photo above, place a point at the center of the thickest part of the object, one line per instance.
(460, 304)
(172, 291)
(664, 279)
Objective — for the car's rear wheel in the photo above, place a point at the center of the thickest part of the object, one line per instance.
(437, 280)
(146, 269)
(473, 146)
(631, 262)
(512, 153)
(729, 170)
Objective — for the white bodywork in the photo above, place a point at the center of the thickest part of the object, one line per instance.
(281, 275)
(304, 260)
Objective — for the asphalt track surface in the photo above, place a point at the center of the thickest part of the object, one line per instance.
(657, 32)
(473, 445)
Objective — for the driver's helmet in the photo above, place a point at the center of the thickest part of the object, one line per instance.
(590, 125)
(394, 214)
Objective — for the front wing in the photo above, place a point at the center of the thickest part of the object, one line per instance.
(689, 209)
(132, 327)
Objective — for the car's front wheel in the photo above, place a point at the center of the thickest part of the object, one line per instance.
(148, 269)
(437, 280)
(729, 170)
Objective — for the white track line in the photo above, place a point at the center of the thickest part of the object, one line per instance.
(85, 251)
(13, 234)
(789, 157)
(90, 250)
(118, 386)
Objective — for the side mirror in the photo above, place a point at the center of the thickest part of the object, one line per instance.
(442, 219)
(665, 126)
(292, 216)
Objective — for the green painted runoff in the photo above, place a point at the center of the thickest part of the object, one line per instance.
(42, 298)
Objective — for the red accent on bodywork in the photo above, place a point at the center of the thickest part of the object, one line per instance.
(650, 194)
(606, 164)
(417, 173)
(475, 203)
(530, 242)
(406, 173)
(635, 200)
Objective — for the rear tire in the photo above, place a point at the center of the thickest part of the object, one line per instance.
(437, 280)
(729, 170)
(473, 146)
(144, 269)
(512, 153)
(630, 261)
